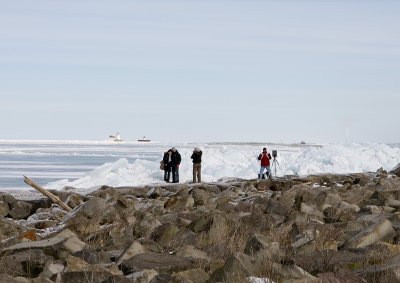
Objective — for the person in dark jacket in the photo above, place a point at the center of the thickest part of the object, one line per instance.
(167, 165)
(175, 162)
(196, 156)
(264, 157)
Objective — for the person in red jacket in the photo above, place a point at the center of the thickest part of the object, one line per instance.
(264, 157)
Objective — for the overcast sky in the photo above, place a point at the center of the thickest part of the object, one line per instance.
(268, 71)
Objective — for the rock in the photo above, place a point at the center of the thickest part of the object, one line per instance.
(145, 226)
(28, 263)
(393, 203)
(236, 265)
(320, 261)
(143, 276)
(4, 209)
(9, 279)
(201, 197)
(159, 262)
(150, 245)
(258, 242)
(7, 198)
(52, 268)
(126, 235)
(189, 251)
(91, 256)
(202, 223)
(94, 207)
(171, 201)
(191, 275)
(161, 278)
(305, 238)
(396, 170)
(36, 244)
(72, 243)
(78, 265)
(278, 207)
(387, 271)
(382, 230)
(165, 234)
(20, 209)
(9, 229)
(134, 249)
(347, 206)
(74, 200)
(212, 189)
(340, 277)
(293, 273)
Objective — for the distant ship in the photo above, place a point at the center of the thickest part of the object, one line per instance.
(144, 139)
(116, 137)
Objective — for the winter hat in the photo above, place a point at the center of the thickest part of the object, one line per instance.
(197, 149)
(173, 149)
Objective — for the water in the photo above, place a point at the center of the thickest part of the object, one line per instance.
(49, 161)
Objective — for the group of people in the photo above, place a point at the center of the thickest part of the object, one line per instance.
(172, 159)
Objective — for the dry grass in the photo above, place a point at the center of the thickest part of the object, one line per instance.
(225, 237)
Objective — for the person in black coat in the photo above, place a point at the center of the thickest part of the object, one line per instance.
(175, 162)
(196, 156)
(167, 165)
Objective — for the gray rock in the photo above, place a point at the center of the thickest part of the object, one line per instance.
(71, 242)
(256, 243)
(236, 265)
(340, 277)
(52, 268)
(36, 244)
(26, 263)
(191, 275)
(93, 207)
(160, 262)
(161, 278)
(382, 230)
(396, 170)
(189, 251)
(7, 198)
(16, 279)
(143, 276)
(134, 249)
(201, 197)
(20, 209)
(4, 209)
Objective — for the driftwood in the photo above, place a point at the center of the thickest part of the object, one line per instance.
(52, 197)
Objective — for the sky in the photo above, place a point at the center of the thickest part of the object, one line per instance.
(262, 71)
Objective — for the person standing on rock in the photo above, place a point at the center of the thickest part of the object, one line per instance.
(196, 156)
(167, 165)
(175, 162)
(264, 158)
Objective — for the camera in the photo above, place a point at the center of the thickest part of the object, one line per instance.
(274, 153)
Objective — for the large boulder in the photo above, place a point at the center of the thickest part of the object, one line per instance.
(160, 262)
(396, 170)
(236, 266)
(9, 229)
(383, 230)
(4, 209)
(27, 263)
(192, 275)
(20, 209)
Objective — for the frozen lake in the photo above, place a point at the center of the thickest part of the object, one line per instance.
(59, 163)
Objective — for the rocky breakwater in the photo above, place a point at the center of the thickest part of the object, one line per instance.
(324, 228)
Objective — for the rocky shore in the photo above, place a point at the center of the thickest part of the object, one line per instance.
(322, 228)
